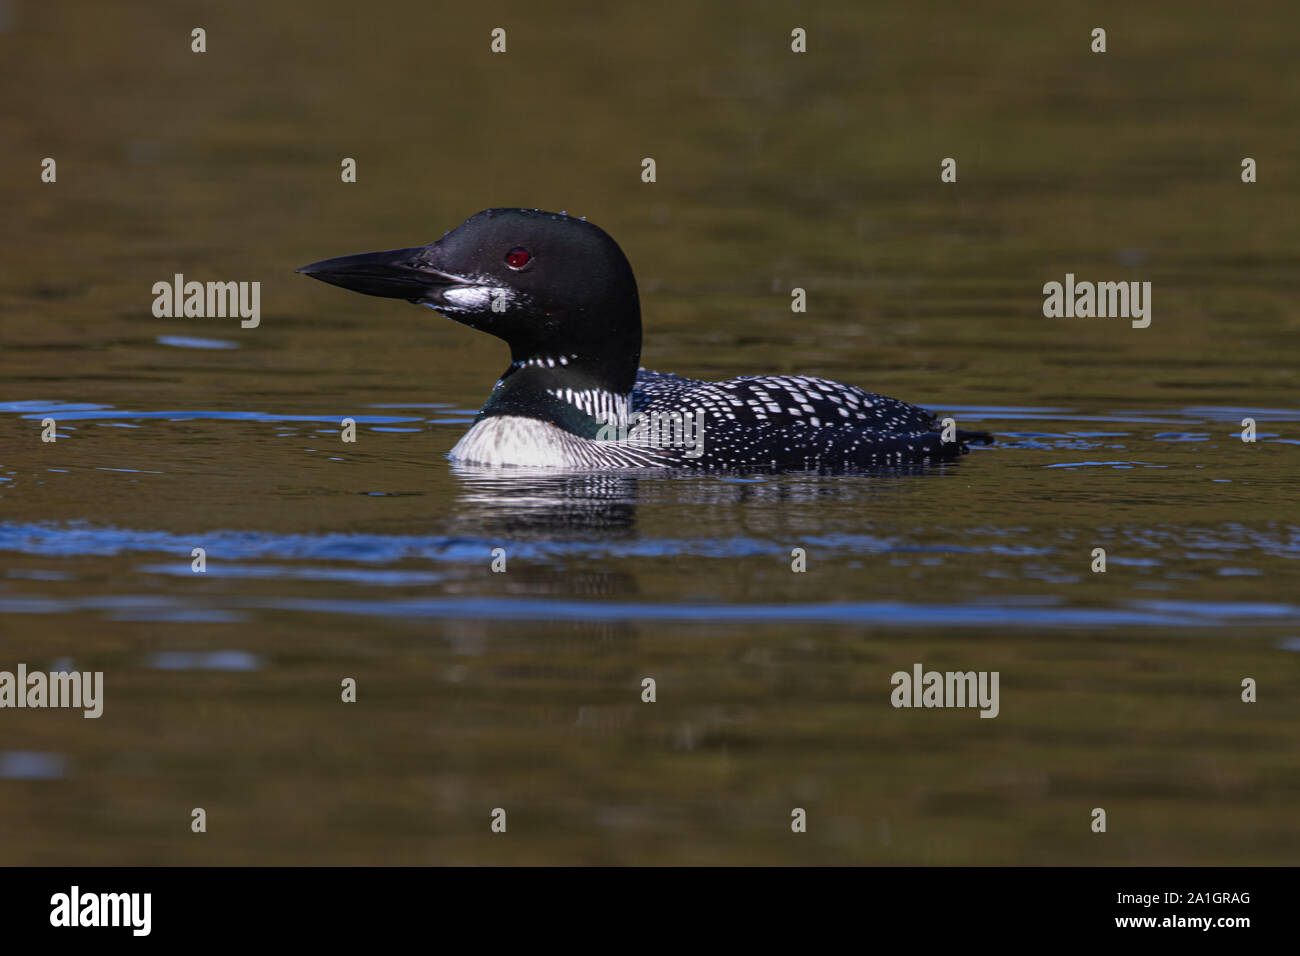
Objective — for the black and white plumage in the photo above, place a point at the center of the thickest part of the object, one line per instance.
(799, 423)
(561, 293)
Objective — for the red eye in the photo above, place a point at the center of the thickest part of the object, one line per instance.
(517, 258)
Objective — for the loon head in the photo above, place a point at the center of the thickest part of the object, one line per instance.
(556, 288)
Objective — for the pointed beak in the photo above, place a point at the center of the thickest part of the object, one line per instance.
(394, 274)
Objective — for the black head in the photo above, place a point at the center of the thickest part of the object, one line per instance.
(557, 289)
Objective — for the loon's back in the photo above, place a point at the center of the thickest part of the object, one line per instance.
(797, 423)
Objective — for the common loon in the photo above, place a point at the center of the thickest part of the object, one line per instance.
(560, 292)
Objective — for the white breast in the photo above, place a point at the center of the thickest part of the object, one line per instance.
(511, 440)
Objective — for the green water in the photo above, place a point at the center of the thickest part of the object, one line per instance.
(522, 690)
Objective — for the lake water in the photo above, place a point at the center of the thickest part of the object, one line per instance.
(522, 690)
